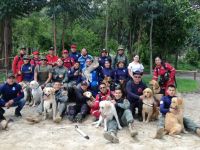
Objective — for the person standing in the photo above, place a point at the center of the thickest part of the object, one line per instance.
(83, 57)
(104, 57)
(27, 69)
(51, 57)
(74, 54)
(67, 60)
(120, 57)
(36, 59)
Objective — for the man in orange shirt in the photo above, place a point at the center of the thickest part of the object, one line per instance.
(51, 57)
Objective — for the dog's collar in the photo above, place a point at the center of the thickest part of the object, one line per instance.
(151, 105)
(174, 108)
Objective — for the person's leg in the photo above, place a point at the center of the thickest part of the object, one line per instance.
(111, 134)
(140, 110)
(83, 112)
(2, 111)
(191, 126)
(127, 120)
(161, 125)
(20, 104)
(61, 109)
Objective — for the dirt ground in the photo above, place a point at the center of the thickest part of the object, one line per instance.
(48, 135)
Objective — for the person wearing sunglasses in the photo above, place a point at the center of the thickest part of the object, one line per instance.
(104, 94)
(134, 89)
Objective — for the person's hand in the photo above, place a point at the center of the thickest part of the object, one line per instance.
(19, 72)
(76, 73)
(113, 101)
(11, 102)
(142, 97)
(7, 105)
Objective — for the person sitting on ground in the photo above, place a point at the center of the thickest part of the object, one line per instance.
(74, 54)
(67, 60)
(51, 57)
(36, 59)
(11, 96)
(125, 117)
(17, 63)
(135, 65)
(60, 73)
(103, 95)
(81, 108)
(120, 57)
(104, 57)
(43, 72)
(134, 89)
(165, 107)
(166, 73)
(84, 56)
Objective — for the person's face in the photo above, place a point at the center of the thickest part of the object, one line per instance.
(171, 91)
(57, 86)
(11, 80)
(73, 50)
(26, 61)
(84, 87)
(107, 64)
(136, 79)
(157, 61)
(136, 58)
(76, 65)
(84, 52)
(64, 55)
(121, 65)
(121, 51)
(36, 56)
(43, 62)
(22, 52)
(102, 88)
(88, 62)
(103, 54)
(51, 52)
(118, 94)
(59, 62)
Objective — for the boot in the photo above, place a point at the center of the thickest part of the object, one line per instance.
(111, 136)
(79, 117)
(198, 132)
(58, 118)
(4, 124)
(133, 133)
(159, 133)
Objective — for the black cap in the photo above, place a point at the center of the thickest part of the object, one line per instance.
(137, 72)
(104, 50)
(51, 48)
(84, 83)
(10, 75)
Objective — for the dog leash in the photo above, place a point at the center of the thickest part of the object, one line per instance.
(151, 105)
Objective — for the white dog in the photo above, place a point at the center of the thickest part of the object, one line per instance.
(108, 111)
(49, 102)
(36, 92)
(24, 88)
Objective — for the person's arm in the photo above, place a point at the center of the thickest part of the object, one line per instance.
(36, 73)
(155, 74)
(172, 71)
(130, 93)
(20, 94)
(49, 76)
(63, 97)
(130, 73)
(65, 76)
(125, 105)
(163, 110)
(14, 65)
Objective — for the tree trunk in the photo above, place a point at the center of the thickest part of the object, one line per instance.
(151, 47)
(106, 33)
(65, 18)
(54, 32)
(1, 43)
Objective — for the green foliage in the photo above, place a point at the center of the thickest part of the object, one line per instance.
(192, 57)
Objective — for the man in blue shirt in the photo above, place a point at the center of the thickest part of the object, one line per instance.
(11, 96)
(164, 108)
(74, 54)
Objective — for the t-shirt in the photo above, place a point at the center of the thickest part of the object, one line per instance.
(136, 67)
(43, 73)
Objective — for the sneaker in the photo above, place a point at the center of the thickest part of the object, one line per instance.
(198, 131)
(110, 136)
(79, 117)
(140, 118)
(159, 133)
(132, 131)
(18, 114)
(71, 118)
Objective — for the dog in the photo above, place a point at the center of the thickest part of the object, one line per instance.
(90, 98)
(156, 90)
(174, 118)
(36, 92)
(25, 89)
(108, 111)
(49, 102)
(149, 107)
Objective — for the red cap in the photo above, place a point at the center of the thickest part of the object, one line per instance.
(36, 53)
(73, 46)
(65, 51)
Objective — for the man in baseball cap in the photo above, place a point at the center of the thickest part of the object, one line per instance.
(74, 54)
(67, 60)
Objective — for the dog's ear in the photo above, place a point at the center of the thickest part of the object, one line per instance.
(180, 101)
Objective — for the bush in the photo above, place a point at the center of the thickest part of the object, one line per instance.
(192, 57)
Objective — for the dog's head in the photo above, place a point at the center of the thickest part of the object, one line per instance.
(147, 93)
(23, 85)
(154, 86)
(34, 84)
(176, 103)
(48, 91)
(87, 94)
(105, 106)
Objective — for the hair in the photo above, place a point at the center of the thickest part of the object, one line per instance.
(102, 83)
(171, 86)
(119, 88)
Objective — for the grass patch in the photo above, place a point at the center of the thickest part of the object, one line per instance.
(183, 85)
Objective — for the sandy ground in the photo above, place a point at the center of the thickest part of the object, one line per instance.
(48, 135)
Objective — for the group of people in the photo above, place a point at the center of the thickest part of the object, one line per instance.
(107, 78)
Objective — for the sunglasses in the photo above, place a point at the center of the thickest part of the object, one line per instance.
(137, 77)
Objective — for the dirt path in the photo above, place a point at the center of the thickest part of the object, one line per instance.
(47, 135)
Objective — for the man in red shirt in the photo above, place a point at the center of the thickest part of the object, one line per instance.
(67, 60)
(51, 57)
(17, 64)
(35, 60)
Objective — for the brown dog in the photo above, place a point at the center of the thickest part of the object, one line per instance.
(174, 118)
(149, 106)
(156, 90)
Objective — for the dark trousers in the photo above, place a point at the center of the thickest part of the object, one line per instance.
(136, 104)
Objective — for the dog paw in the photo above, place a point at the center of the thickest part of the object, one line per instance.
(105, 129)
(97, 126)
(119, 127)
(143, 120)
(147, 121)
